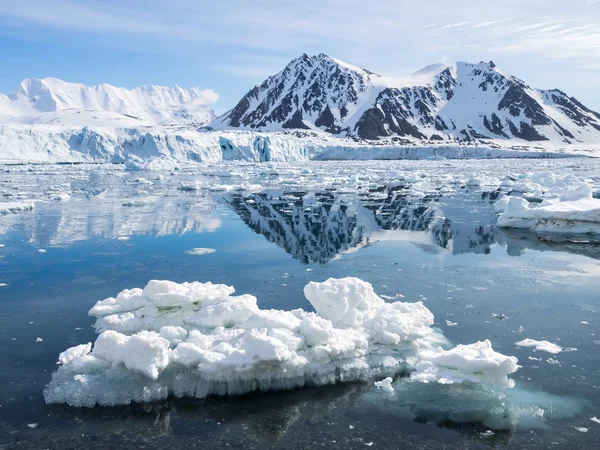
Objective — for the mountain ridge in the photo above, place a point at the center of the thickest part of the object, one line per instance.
(145, 105)
(441, 102)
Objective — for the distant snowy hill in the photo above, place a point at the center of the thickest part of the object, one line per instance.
(55, 102)
(456, 102)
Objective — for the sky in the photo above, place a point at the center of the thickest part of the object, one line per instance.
(231, 45)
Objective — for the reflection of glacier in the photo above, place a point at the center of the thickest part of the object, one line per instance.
(316, 227)
(62, 223)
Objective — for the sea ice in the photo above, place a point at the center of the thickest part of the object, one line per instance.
(14, 207)
(196, 339)
(542, 346)
(576, 211)
(385, 384)
(200, 251)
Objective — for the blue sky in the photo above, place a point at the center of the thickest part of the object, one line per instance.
(231, 45)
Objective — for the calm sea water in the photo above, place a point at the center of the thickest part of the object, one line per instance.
(444, 249)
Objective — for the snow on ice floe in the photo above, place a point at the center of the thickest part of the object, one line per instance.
(14, 207)
(542, 346)
(575, 211)
(197, 339)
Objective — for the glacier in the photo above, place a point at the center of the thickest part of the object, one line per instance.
(171, 145)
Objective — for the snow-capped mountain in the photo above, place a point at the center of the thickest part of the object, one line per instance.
(53, 101)
(460, 101)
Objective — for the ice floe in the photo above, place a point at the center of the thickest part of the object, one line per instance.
(197, 339)
(542, 346)
(200, 251)
(575, 211)
(14, 207)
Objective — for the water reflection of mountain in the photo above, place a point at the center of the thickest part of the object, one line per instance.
(316, 227)
(62, 223)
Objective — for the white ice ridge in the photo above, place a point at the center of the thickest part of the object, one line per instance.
(197, 339)
(576, 211)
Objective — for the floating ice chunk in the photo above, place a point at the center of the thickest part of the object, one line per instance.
(32, 425)
(475, 363)
(581, 429)
(200, 251)
(542, 346)
(39, 339)
(595, 419)
(576, 216)
(14, 207)
(450, 323)
(3, 284)
(41, 250)
(385, 384)
(197, 339)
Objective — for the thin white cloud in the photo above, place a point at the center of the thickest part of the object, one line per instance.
(384, 34)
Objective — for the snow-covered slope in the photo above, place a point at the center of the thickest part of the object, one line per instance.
(460, 101)
(53, 101)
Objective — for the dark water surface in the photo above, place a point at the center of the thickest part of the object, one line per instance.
(444, 249)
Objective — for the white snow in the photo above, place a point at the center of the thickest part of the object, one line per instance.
(542, 346)
(196, 339)
(53, 101)
(72, 353)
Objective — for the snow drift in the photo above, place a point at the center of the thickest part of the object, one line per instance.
(197, 339)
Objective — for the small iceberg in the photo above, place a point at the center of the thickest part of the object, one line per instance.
(198, 339)
(200, 251)
(575, 212)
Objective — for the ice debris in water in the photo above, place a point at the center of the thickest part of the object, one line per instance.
(200, 251)
(197, 339)
(595, 419)
(385, 384)
(15, 207)
(542, 346)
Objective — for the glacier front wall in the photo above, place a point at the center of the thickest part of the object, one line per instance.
(47, 144)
